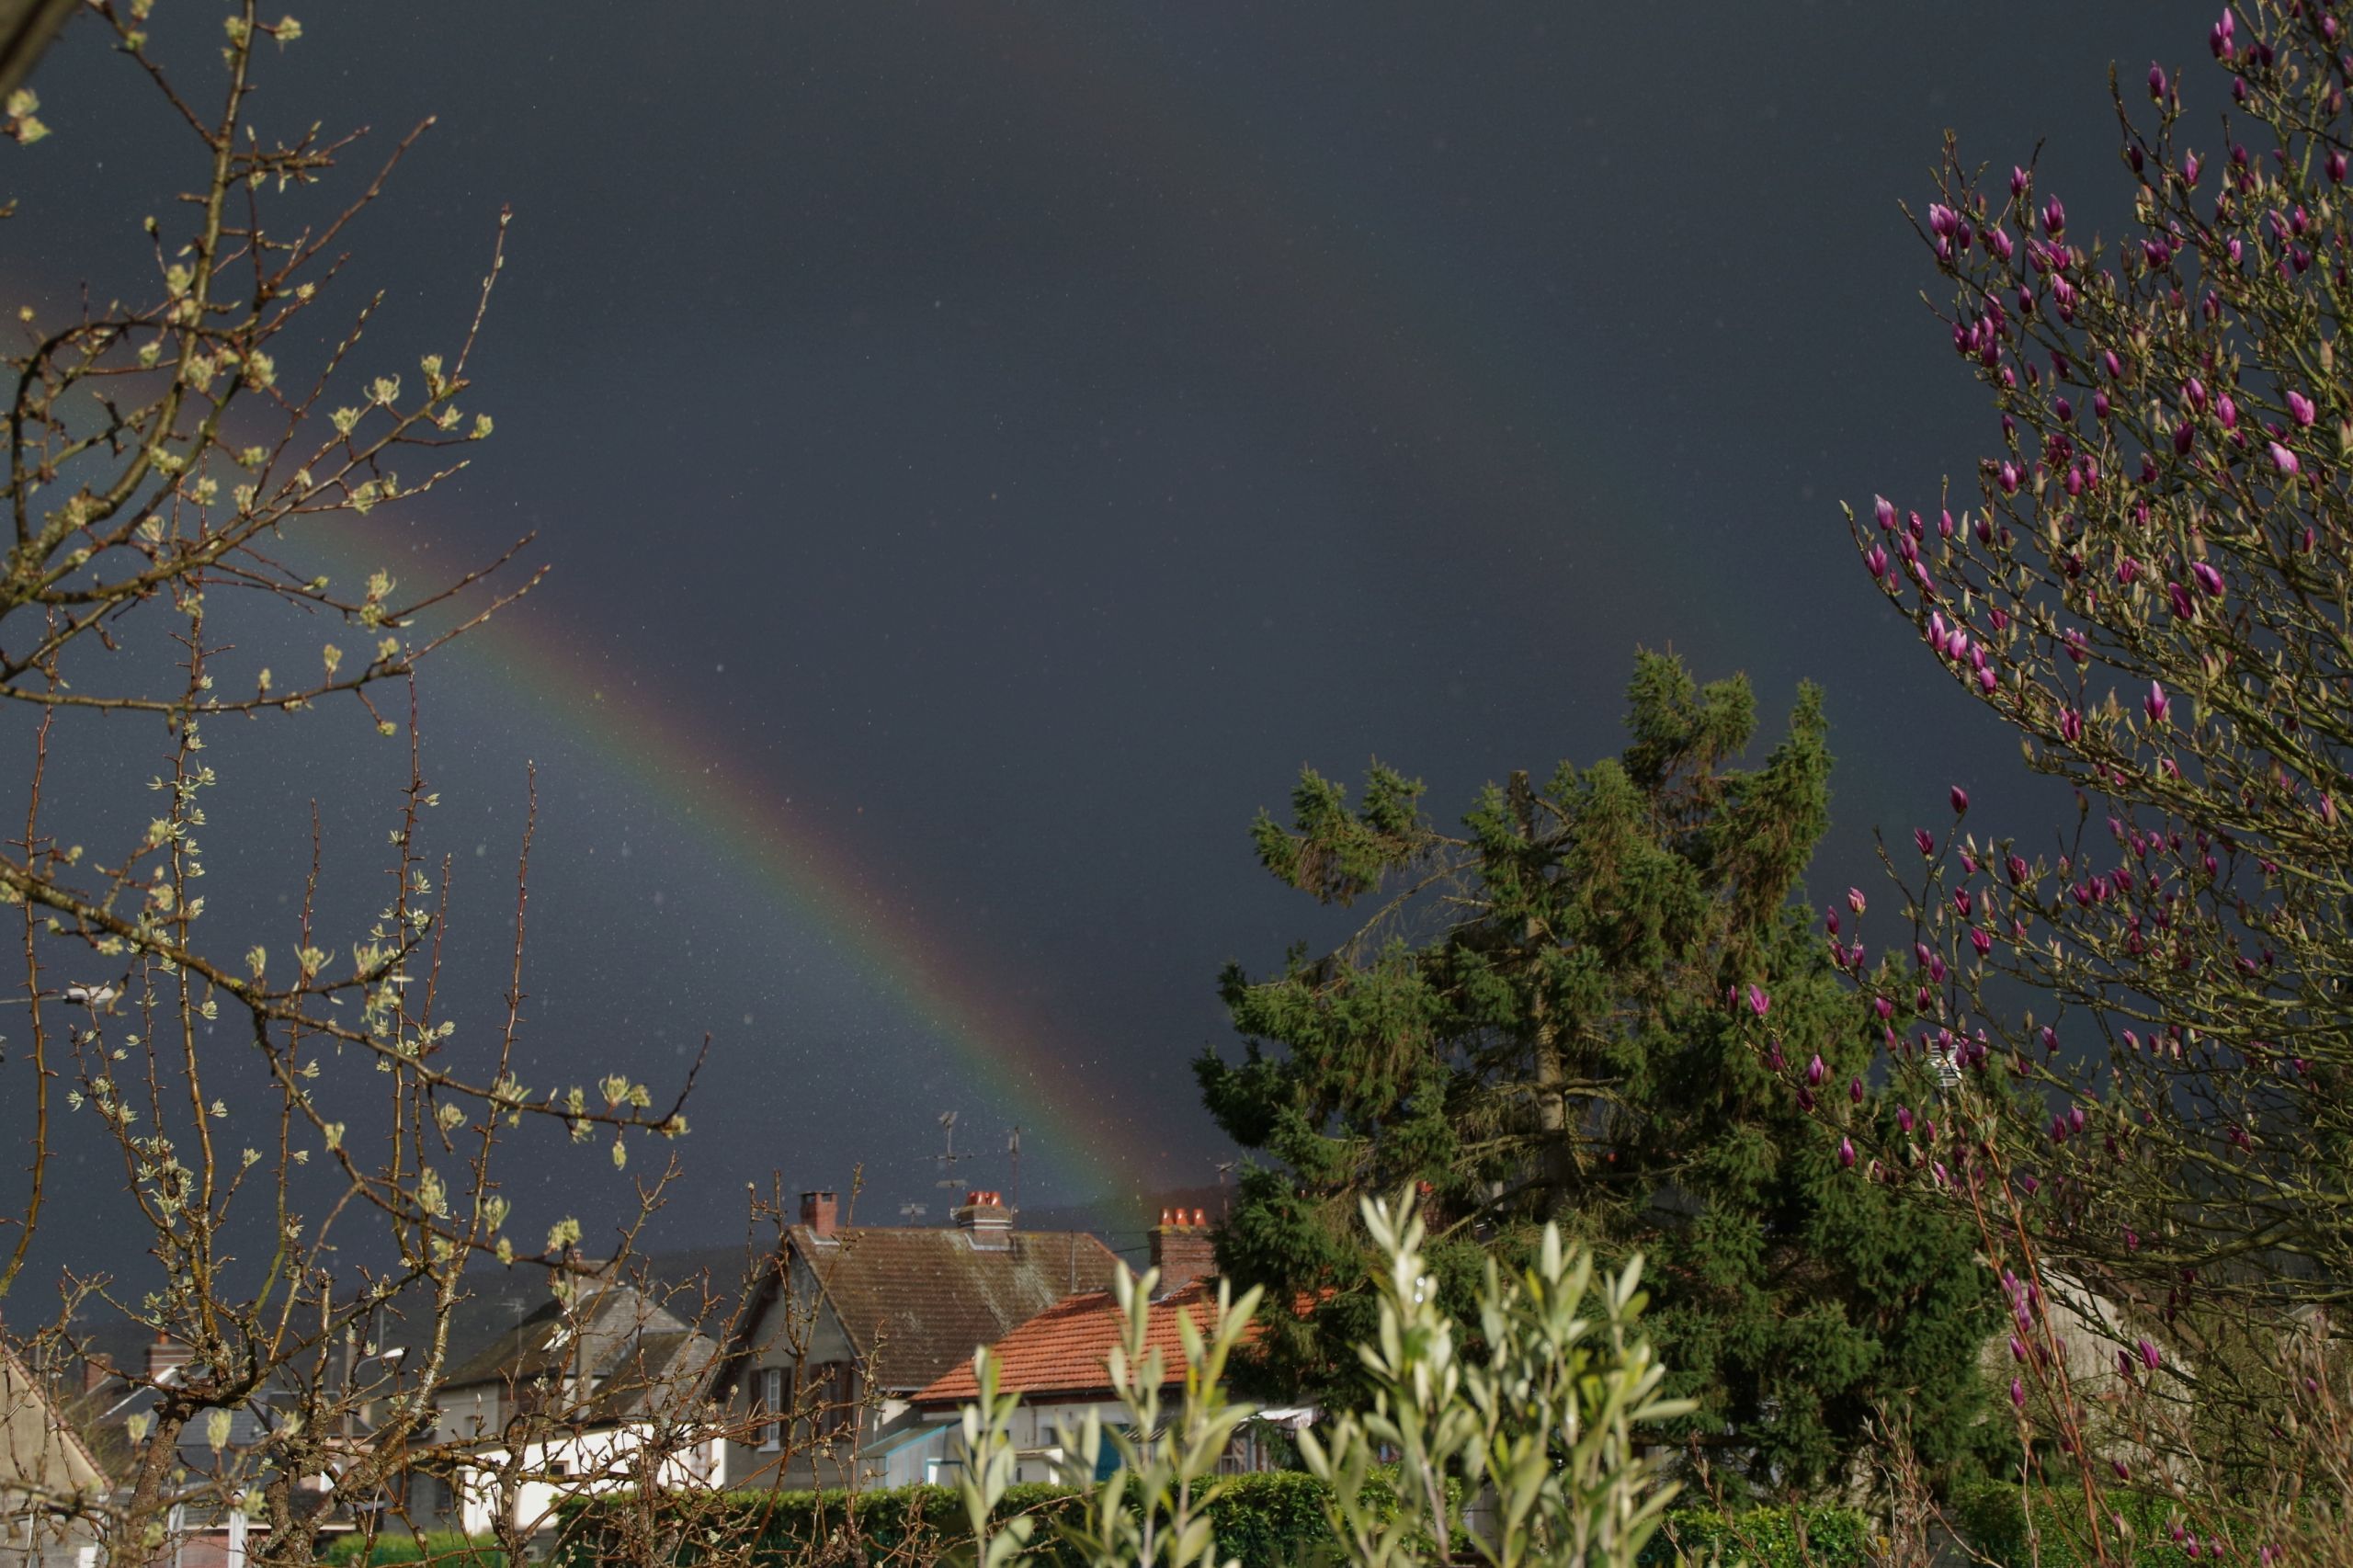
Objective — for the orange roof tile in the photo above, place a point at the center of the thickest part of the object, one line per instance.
(1065, 1350)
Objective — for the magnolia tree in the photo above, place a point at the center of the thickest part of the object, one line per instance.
(309, 1162)
(2143, 1017)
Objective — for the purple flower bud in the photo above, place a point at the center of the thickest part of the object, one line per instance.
(1805, 1100)
(2282, 458)
(2156, 83)
(1941, 220)
(2335, 168)
(2189, 167)
(2054, 218)
(1759, 1002)
(2031, 1184)
(2219, 38)
(2050, 1038)
(1876, 560)
(1884, 511)
(1960, 800)
(2227, 411)
(2184, 435)
(1981, 939)
(1904, 1117)
(1846, 1154)
(1998, 241)
(2302, 408)
(1855, 1090)
(2070, 725)
(1830, 921)
(2149, 1356)
(2157, 705)
(1926, 841)
(2018, 1394)
(2020, 181)
(2208, 578)
(1814, 1071)
(2182, 607)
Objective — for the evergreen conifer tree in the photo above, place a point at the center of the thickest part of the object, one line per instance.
(1549, 1018)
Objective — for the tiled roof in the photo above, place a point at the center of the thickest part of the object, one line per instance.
(622, 1337)
(919, 1302)
(1063, 1351)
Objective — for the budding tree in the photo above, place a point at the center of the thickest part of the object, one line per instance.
(306, 1152)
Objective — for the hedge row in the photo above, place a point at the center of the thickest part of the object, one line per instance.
(1269, 1518)
(442, 1549)
(1263, 1521)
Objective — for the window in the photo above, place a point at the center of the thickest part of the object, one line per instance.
(835, 1387)
(769, 1402)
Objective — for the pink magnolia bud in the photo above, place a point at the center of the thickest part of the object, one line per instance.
(2282, 458)
(1759, 1002)
(1814, 1071)
(2302, 408)
(2157, 705)
(1846, 1154)
(1960, 800)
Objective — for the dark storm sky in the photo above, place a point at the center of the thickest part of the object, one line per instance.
(1001, 444)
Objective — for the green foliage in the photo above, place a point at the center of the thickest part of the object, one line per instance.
(1542, 1411)
(1994, 1519)
(1279, 1517)
(1543, 1023)
(432, 1547)
(1763, 1538)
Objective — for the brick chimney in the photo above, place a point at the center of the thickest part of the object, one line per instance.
(164, 1355)
(986, 1220)
(820, 1213)
(1181, 1249)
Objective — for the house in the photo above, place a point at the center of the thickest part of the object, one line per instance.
(1059, 1362)
(110, 1392)
(848, 1321)
(50, 1481)
(604, 1386)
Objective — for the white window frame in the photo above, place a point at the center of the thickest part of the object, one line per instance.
(772, 1406)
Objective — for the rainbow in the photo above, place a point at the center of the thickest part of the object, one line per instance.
(748, 827)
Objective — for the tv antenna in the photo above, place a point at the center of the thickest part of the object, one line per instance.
(948, 1157)
(914, 1210)
(1013, 1153)
(1225, 1169)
